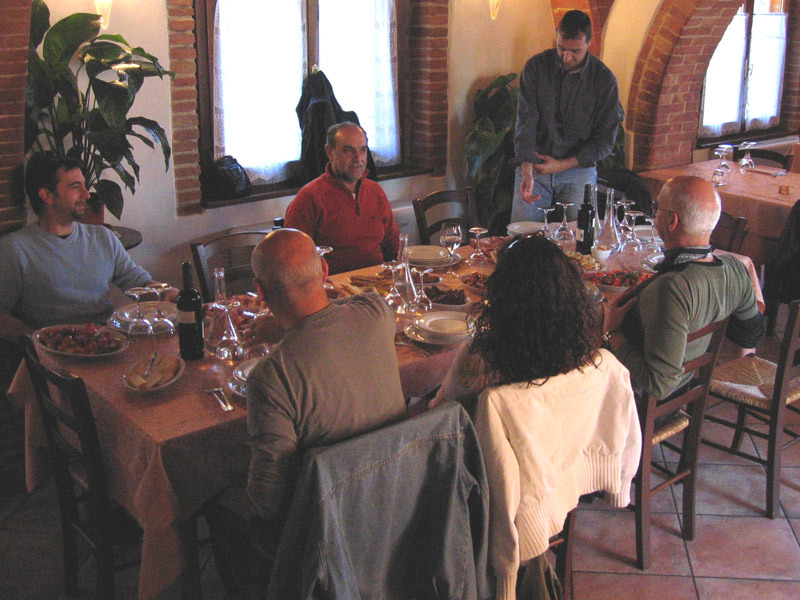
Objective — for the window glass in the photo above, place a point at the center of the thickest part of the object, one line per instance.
(767, 55)
(723, 90)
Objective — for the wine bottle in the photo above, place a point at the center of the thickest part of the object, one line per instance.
(190, 318)
(584, 238)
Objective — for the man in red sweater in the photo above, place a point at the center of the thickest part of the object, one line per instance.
(343, 209)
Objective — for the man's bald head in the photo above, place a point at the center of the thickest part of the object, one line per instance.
(695, 201)
(287, 266)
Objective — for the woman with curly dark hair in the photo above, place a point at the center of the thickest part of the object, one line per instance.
(555, 414)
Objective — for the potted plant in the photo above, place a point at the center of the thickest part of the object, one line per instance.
(79, 91)
(489, 150)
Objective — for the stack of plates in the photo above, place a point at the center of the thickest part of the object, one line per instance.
(429, 257)
(238, 381)
(122, 317)
(524, 227)
(441, 327)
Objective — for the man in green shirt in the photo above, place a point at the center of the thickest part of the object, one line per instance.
(692, 288)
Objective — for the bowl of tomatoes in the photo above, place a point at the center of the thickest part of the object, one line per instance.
(84, 341)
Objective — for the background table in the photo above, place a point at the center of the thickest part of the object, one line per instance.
(755, 196)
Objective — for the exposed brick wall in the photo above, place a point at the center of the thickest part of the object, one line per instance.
(427, 83)
(790, 109)
(664, 105)
(182, 60)
(14, 61)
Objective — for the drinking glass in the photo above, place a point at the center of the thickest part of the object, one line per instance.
(450, 238)
(546, 230)
(394, 298)
(720, 175)
(746, 162)
(633, 245)
(139, 327)
(477, 257)
(421, 303)
(653, 244)
(162, 326)
(564, 236)
(322, 251)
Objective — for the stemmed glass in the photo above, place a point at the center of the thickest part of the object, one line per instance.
(322, 251)
(477, 257)
(421, 303)
(746, 163)
(394, 298)
(633, 245)
(162, 326)
(564, 235)
(139, 327)
(450, 238)
(652, 244)
(546, 231)
(720, 175)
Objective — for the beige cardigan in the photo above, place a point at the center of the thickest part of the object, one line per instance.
(546, 446)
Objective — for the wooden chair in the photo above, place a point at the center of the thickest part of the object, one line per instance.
(729, 232)
(436, 208)
(763, 390)
(795, 153)
(80, 476)
(561, 546)
(762, 156)
(692, 395)
(232, 252)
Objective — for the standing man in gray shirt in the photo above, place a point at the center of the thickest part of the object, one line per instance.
(567, 119)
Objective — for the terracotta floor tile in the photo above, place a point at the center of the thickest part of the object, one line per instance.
(606, 541)
(789, 458)
(613, 586)
(790, 491)
(713, 589)
(723, 435)
(728, 490)
(746, 547)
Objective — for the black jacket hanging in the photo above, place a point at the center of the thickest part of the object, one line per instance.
(317, 110)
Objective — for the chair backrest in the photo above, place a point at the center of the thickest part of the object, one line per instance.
(789, 357)
(436, 208)
(232, 252)
(765, 157)
(729, 232)
(71, 432)
(795, 153)
(380, 515)
(696, 389)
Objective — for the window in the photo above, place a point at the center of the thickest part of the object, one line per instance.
(260, 53)
(742, 91)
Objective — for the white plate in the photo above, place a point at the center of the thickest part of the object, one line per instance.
(418, 336)
(528, 227)
(121, 339)
(243, 369)
(652, 260)
(444, 327)
(430, 257)
(125, 314)
(158, 388)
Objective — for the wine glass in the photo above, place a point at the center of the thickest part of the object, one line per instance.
(720, 175)
(633, 245)
(477, 257)
(653, 243)
(322, 251)
(450, 238)
(162, 326)
(140, 326)
(546, 230)
(394, 298)
(563, 236)
(746, 163)
(421, 303)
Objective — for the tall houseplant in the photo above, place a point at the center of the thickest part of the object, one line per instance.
(490, 148)
(79, 91)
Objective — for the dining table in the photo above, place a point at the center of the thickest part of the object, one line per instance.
(168, 452)
(764, 196)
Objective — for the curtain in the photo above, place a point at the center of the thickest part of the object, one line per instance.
(357, 50)
(258, 76)
(767, 55)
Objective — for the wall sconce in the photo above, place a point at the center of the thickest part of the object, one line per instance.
(103, 8)
(494, 7)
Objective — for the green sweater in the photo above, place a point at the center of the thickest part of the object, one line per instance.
(676, 303)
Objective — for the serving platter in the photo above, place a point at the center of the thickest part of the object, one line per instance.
(83, 334)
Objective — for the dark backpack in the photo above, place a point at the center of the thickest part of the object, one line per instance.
(227, 179)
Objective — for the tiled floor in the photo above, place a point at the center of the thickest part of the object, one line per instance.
(737, 552)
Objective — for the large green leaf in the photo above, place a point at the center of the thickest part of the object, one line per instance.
(65, 37)
(40, 23)
(111, 195)
(156, 132)
(482, 142)
(114, 99)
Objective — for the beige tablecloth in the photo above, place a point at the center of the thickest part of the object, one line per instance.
(763, 199)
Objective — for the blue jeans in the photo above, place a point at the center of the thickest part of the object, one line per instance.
(566, 186)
